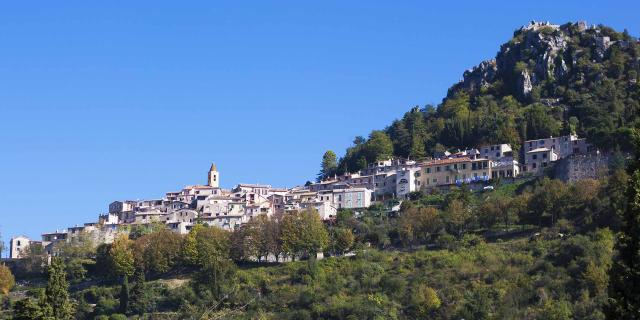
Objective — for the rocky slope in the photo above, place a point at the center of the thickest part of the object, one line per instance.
(541, 52)
(547, 80)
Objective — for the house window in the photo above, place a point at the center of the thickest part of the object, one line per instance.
(534, 157)
(446, 179)
(455, 166)
(435, 180)
(438, 169)
(464, 166)
(544, 156)
(428, 170)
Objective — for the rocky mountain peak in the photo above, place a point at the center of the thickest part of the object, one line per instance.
(538, 51)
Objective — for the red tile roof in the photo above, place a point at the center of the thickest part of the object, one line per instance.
(450, 161)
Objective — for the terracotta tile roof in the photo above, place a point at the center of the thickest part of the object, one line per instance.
(447, 161)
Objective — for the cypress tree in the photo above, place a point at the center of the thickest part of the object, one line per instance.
(57, 292)
(138, 299)
(124, 295)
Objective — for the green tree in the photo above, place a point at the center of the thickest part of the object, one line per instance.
(122, 257)
(343, 240)
(358, 140)
(124, 295)
(329, 165)
(418, 223)
(417, 147)
(257, 238)
(28, 309)
(419, 135)
(303, 234)
(103, 262)
(378, 147)
(424, 300)
(77, 254)
(459, 217)
(158, 252)
(401, 138)
(216, 275)
(190, 246)
(549, 200)
(497, 209)
(138, 302)
(57, 291)
(540, 123)
(624, 293)
(2, 246)
(557, 310)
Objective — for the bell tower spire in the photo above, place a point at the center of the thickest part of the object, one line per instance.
(214, 176)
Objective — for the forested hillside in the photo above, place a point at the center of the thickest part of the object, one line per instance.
(546, 80)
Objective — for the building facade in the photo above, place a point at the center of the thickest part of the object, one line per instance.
(536, 160)
(18, 247)
(454, 171)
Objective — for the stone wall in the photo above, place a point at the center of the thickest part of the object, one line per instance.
(582, 166)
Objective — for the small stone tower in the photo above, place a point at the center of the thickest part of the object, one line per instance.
(214, 176)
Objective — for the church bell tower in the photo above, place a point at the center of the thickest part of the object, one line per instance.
(214, 176)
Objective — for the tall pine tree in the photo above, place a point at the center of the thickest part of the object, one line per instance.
(329, 165)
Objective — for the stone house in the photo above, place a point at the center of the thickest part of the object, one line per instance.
(536, 160)
(18, 246)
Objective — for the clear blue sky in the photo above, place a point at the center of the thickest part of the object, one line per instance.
(109, 101)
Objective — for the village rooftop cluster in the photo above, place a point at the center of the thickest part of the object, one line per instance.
(390, 179)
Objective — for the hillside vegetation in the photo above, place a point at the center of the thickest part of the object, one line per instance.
(547, 80)
(536, 249)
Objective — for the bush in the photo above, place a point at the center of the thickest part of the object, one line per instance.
(118, 316)
(447, 241)
(471, 240)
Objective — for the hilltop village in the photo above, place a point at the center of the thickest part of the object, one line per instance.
(381, 181)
